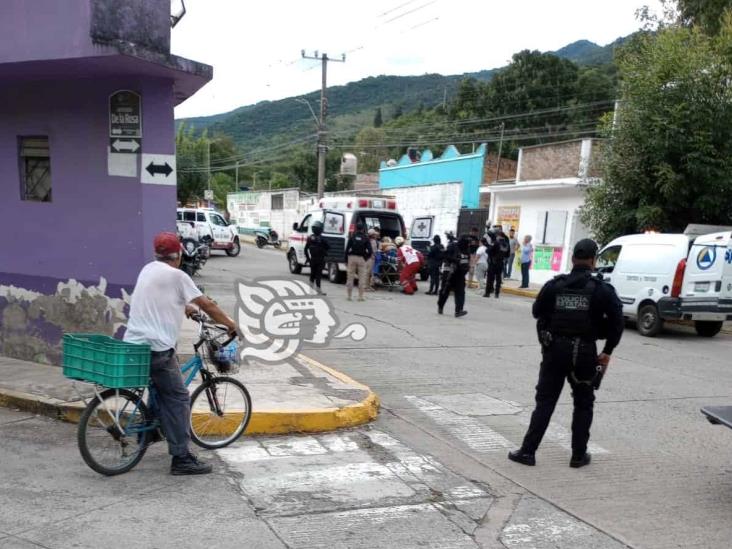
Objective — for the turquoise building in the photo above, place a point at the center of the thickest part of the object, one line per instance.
(450, 167)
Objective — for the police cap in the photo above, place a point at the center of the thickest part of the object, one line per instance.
(585, 249)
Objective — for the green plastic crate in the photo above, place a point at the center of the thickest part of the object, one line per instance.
(106, 361)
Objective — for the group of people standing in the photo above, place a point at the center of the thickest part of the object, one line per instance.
(495, 256)
(489, 259)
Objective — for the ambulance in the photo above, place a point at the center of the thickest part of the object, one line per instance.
(660, 277)
(340, 215)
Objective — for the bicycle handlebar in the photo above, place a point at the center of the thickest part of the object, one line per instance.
(204, 321)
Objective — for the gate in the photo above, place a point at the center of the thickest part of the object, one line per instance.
(469, 218)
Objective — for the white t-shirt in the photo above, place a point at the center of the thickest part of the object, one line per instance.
(482, 254)
(158, 305)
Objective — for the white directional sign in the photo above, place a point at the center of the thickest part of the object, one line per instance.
(208, 194)
(119, 145)
(158, 169)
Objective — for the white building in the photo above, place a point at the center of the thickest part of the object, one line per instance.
(545, 199)
(277, 209)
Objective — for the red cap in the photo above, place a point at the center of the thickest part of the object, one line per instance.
(167, 244)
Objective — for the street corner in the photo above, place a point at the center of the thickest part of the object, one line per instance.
(522, 292)
(329, 400)
(301, 396)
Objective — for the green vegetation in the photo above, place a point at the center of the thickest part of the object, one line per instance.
(669, 162)
(379, 117)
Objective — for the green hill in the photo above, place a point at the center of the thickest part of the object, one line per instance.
(352, 106)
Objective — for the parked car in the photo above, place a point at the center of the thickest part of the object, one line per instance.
(210, 223)
(340, 216)
(662, 277)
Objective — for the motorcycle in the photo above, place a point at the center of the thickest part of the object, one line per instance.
(268, 237)
(195, 255)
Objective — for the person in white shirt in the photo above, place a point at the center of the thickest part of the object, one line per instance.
(163, 294)
(481, 266)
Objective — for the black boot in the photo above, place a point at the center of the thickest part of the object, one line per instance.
(189, 465)
(580, 461)
(522, 456)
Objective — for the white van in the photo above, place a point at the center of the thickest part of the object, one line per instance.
(671, 277)
(339, 216)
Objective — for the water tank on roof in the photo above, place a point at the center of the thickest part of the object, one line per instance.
(349, 164)
(391, 163)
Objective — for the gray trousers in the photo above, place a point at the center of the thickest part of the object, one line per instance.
(173, 403)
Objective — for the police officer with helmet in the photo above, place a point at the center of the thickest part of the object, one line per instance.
(573, 311)
(316, 250)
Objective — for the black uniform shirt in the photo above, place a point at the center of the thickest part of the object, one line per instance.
(605, 308)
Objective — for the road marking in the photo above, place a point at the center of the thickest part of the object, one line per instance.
(559, 435)
(474, 434)
(404, 526)
(474, 404)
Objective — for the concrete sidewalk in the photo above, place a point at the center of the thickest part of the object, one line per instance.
(300, 396)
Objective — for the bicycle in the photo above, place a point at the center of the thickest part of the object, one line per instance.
(118, 425)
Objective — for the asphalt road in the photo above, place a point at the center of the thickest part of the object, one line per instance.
(431, 471)
(461, 390)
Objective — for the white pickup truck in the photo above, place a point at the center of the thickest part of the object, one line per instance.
(209, 223)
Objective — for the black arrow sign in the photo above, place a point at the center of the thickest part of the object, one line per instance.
(164, 169)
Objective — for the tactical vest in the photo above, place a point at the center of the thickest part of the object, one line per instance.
(316, 248)
(571, 316)
(358, 244)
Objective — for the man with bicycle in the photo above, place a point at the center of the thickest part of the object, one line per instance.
(163, 294)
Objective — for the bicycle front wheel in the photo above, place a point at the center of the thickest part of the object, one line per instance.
(220, 412)
(113, 431)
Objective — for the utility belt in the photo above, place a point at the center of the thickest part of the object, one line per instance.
(547, 339)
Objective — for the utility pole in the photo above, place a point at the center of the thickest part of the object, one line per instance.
(208, 156)
(236, 188)
(500, 149)
(322, 127)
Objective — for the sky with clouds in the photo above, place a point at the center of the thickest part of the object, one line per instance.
(255, 47)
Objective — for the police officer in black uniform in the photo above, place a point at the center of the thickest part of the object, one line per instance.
(457, 260)
(316, 249)
(573, 311)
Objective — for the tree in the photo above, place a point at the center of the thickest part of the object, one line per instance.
(706, 14)
(221, 184)
(398, 111)
(378, 120)
(192, 160)
(669, 159)
(280, 180)
(370, 150)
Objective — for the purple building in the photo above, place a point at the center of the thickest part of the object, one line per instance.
(87, 161)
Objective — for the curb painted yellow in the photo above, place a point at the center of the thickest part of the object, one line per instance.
(270, 422)
(520, 291)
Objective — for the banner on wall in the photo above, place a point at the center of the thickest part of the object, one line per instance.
(547, 258)
(508, 217)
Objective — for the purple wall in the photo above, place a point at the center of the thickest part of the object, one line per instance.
(64, 24)
(32, 30)
(67, 265)
(97, 225)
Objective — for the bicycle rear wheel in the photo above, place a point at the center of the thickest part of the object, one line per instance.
(113, 431)
(220, 412)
